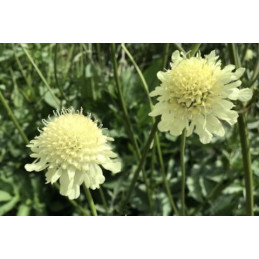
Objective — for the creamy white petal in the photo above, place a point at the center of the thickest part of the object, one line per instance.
(239, 72)
(158, 109)
(158, 91)
(164, 125)
(65, 184)
(53, 175)
(245, 95)
(215, 126)
(114, 167)
(234, 94)
(224, 114)
(74, 192)
(161, 75)
(176, 129)
(204, 135)
(176, 56)
(233, 85)
(41, 165)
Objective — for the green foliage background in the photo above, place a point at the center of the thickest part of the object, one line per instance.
(81, 75)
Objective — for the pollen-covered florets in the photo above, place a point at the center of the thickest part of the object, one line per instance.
(72, 147)
(194, 95)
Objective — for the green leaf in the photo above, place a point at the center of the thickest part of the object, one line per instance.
(9, 205)
(5, 196)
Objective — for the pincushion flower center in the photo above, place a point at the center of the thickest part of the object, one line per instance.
(192, 83)
(74, 133)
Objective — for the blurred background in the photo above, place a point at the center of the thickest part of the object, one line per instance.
(36, 79)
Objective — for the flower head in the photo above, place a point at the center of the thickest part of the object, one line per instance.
(195, 95)
(73, 149)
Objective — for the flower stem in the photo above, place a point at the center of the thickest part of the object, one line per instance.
(90, 200)
(103, 200)
(182, 149)
(243, 134)
(244, 141)
(166, 184)
(73, 202)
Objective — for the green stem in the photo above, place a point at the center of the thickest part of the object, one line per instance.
(166, 184)
(157, 141)
(182, 149)
(243, 134)
(129, 127)
(103, 200)
(40, 74)
(90, 200)
(73, 202)
(141, 162)
(13, 118)
(245, 146)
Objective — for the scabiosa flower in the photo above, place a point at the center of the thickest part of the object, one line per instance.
(195, 95)
(73, 149)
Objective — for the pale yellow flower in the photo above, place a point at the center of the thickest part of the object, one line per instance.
(73, 148)
(195, 94)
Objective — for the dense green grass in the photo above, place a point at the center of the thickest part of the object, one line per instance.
(36, 79)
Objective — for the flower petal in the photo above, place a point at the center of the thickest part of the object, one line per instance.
(53, 175)
(245, 95)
